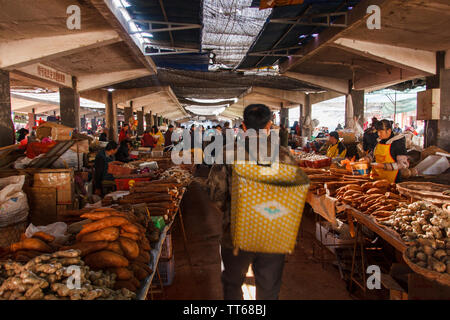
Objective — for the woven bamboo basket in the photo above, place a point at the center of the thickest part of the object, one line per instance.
(12, 233)
(427, 191)
(442, 278)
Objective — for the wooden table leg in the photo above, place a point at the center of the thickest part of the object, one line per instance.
(184, 237)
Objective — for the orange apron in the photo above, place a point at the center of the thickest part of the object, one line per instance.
(382, 154)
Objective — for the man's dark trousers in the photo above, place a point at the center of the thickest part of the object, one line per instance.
(267, 268)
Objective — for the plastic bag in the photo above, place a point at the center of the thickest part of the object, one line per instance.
(10, 186)
(69, 159)
(57, 229)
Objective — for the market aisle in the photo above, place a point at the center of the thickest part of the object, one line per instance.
(303, 278)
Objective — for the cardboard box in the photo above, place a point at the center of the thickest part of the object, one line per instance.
(329, 239)
(42, 205)
(62, 180)
(81, 146)
(428, 104)
(54, 130)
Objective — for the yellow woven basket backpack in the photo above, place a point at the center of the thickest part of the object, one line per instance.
(266, 206)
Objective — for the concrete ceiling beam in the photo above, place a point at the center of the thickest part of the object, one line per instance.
(355, 18)
(20, 53)
(323, 96)
(292, 96)
(334, 84)
(376, 82)
(111, 14)
(99, 80)
(405, 58)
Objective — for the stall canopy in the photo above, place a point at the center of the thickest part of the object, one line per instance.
(172, 32)
(277, 39)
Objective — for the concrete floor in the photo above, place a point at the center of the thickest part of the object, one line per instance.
(303, 277)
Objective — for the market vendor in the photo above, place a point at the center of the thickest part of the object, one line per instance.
(124, 133)
(123, 153)
(389, 154)
(158, 135)
(148, 141)
(336, 148)
(102, 159)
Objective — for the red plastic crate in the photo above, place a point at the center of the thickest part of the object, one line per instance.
(124, 184)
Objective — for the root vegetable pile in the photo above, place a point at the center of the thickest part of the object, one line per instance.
(431, 254)
(46, 277)
(420, 220)
(117, 242)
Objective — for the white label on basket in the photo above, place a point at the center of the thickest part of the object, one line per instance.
(271, 209)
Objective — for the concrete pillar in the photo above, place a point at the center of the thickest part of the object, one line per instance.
(83, 122)
(284, 116)
(155, 119)
(111, 118)
(7, 135)
(148, 120)
(433, 82)
(128, 113)
(69, 101)
(31, 120)
(443, 137)
(357, 99)
(306, 112)
(140, 119)
(94, 124)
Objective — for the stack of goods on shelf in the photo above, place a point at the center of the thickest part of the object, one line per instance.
(179, 174)
(311, 160)
(378, 198)
(46, 277)
(114, 241)
(161, 197)
(334, 177)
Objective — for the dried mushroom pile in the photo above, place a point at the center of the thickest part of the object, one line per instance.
(181, 176)
(420, 220)
(431, 254)
(46, 277)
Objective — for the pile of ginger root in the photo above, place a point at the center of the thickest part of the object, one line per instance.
(60, 275)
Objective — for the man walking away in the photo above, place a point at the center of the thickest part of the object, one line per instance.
(267, 267)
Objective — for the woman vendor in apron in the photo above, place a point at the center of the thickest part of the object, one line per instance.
(389, 153)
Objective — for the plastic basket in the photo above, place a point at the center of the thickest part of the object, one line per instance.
(267, 206)
(167, 247)
(167, 271)
(124, 184)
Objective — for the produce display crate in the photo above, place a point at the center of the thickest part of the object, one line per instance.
(329, 239)
(317, 164)
(124, 184)
(167, 271)
(116, 169)
(61, 179)
(167, 248)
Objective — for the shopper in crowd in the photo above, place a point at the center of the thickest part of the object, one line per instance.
(284, 136)
(389, 153)
(168, 137)
(123, 153)
(148, 141)
(125, 133)
(156, 133)
(370, 137)
(268, 268)
(102, 160)
(397, 129)
(336, 149)
(339, 127)
(104, 135)
(23, 137)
